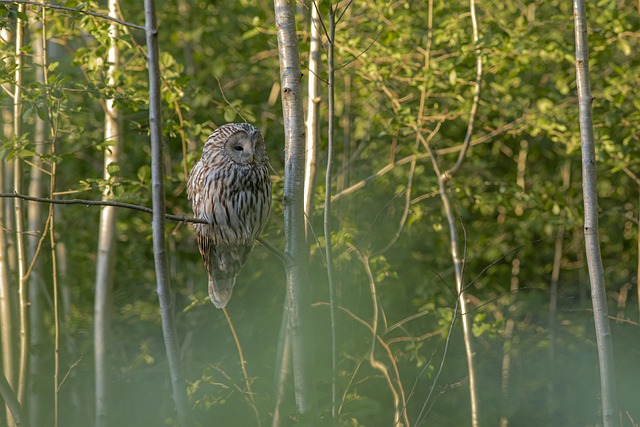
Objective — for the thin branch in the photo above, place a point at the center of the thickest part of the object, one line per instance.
(227, 101)
(73, 9)
(324, 28)
(383, 344)
(243, 364)
(343, 12)
(275, 251)
(458, 264)
(398, 395)
(476, 96)
(87, 202)
(408, 159)
(327, 212)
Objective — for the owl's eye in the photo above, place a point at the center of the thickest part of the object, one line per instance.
(238, 148)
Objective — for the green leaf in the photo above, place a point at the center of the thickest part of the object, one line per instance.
(229, 114)
(113, 169)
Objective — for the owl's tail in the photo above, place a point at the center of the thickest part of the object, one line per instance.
(220, 290)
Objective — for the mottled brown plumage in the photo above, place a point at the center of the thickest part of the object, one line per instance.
(230, 187)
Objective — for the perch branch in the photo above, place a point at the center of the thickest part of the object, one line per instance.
(275, 251)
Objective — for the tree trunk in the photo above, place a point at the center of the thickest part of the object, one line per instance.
(23, 361)
(592, 241)
(313, 117)
(12, 403)
(7, 338)
(296, 252)
(39, 376)
(170, 335)
(106, 240)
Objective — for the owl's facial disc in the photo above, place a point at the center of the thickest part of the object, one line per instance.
(243, 148)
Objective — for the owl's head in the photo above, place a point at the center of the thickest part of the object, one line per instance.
(240, 143)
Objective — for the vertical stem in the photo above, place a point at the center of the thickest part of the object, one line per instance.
(23, 368)
(172, 346)
(476, 93)
(458, 265)
(295, 247)
(592, 241)
(507, 346)
(6, 318)
(313, 115)
(106, 240)
(283, 367)
(54, 276)
(243, 367)
(453, 231)
(327, 211)
(6, 312)
(553, 310)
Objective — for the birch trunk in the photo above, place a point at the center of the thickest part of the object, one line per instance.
(6, 312)
(172, 347)
(39, 378)
(313, 117)
(106, 240)
(295, 248)
(592, 240)
(23, 361)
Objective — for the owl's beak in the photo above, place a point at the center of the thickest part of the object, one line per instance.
(251, 159)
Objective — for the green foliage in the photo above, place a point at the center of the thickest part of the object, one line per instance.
(520, 182)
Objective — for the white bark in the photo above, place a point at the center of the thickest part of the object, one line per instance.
(296, 249)
(23, 361)
(6, 316)
(313, 116)
(35, 224)
(592, 240)
(106, 240)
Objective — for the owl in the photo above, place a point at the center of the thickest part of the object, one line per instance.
(230, 187)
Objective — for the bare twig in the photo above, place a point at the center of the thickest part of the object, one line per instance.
(408, 159)
(243, 367)
(275, 251)
(476, 96)
(87, 202)
(71, 368)
(398, 395)
(387, 349)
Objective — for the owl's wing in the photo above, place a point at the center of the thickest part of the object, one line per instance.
(196, 188)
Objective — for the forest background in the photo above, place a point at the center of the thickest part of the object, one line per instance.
(405, 78)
